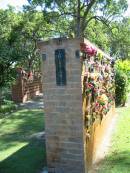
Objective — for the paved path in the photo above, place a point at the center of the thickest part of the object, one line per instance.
(36, 103)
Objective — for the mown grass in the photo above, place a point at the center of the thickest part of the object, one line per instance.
(118, 159)
(18, 152)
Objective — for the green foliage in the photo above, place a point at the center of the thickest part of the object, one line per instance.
(6, 94)
(9, 52)
(7, 107)
(120, 40)
(19, 33)
(122, 81)
(124, 66)
(98, 33)
(80, 12)
(121, 84)
(103, 29)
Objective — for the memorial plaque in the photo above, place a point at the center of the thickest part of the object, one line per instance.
(60, 62)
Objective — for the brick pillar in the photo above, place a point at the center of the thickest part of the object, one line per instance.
(63, 108)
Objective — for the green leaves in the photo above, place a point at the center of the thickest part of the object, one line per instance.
(80, 12)
(122, 81)
(18, 35)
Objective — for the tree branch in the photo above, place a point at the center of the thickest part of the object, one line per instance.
(88, 8)
(99, 18)
(78, 19)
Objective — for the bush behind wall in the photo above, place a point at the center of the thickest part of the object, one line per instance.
(122, 80)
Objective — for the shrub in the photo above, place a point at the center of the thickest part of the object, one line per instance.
(6, 93)
(121, 84)
(7, 107)
(124, 67)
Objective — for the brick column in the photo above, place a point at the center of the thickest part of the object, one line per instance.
(63, 109)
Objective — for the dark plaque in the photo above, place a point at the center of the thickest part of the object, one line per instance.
(60, 62)
(43, 56)
(77, 54)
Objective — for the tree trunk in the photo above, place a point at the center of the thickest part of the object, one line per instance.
(78, 20)
(0, 97)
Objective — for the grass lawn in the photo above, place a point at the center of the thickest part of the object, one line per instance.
(118, 159)
(18, 152)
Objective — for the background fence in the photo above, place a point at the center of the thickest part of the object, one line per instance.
(27, 86)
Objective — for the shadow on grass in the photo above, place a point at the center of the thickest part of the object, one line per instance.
(19, 127)
(23, 122)
(18, 152)
(116, 163)
(29, 159)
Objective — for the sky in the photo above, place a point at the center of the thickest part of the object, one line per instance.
(128, 11)
(18, 4)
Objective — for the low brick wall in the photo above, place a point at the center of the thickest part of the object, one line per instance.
(25, 90)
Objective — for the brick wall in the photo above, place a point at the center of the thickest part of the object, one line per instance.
(24, 90)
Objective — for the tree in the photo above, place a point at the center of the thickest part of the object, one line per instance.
(120, 40)
(19, 33)
(30, 29)
(99, 34)
(8, 50)
(81, 12)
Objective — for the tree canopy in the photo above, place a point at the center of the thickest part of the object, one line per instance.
(81, 12)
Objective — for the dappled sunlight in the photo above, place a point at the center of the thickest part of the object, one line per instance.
(16, 146)
(25, 121)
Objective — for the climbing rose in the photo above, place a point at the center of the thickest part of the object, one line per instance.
(88, 49)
